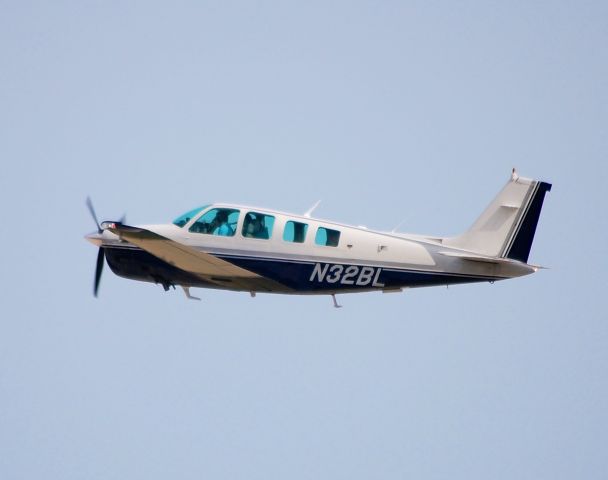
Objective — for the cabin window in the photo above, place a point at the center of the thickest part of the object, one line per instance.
(186, 217)
(217, 221)
(295, 232)
(258, 225)
(327, 237)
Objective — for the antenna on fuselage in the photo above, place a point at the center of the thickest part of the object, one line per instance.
(394, 230)
(312, 209)
(336, 305)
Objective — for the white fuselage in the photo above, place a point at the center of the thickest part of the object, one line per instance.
(362, 259)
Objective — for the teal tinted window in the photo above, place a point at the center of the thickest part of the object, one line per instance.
(258, 225)
(186, 217)
(327, 237)
(295, 232)
(217, 221)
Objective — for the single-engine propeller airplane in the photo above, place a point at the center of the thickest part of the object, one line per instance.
(250, 249)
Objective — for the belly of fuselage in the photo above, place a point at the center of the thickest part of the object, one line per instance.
(289, 277)
(137, 264)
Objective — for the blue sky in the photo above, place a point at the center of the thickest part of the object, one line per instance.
(389, 112)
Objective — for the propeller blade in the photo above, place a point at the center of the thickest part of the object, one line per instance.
(92, 210)
(98, 270)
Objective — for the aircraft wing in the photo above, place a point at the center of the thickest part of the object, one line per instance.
(204, 265)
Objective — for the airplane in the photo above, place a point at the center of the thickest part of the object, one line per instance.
(256, 250)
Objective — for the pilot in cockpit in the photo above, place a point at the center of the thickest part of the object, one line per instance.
(222, 227)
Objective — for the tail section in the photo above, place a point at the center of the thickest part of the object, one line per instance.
(506, 228)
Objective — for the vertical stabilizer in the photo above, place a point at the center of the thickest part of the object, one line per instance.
(506, 227)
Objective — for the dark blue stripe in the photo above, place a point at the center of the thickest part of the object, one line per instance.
(297, 275)
(137, 264)
(522, 243)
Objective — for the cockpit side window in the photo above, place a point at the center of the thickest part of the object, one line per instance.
(258, 225)
(327, 237)
(217, 221)
(186, 217)
(295, 232)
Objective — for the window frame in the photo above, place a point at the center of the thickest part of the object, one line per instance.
(230, 224)
(269, 228)
(190, 215)
(327, 237)
(294, 241)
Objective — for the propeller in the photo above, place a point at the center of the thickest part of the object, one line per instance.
(98, 270)
(92, 210)
(100, 254)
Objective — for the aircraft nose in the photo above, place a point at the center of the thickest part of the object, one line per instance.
(95, 238)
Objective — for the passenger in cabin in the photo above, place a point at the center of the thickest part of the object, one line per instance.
(222, 228)
(333, 237)
(254, 226)
(248, 226)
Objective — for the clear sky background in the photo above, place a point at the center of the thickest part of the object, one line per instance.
(388, 112)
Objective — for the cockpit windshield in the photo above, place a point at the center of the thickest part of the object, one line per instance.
(186, 217)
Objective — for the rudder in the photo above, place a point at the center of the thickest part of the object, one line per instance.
(518, 248)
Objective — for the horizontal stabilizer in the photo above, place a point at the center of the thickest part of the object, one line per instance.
(477, 258)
